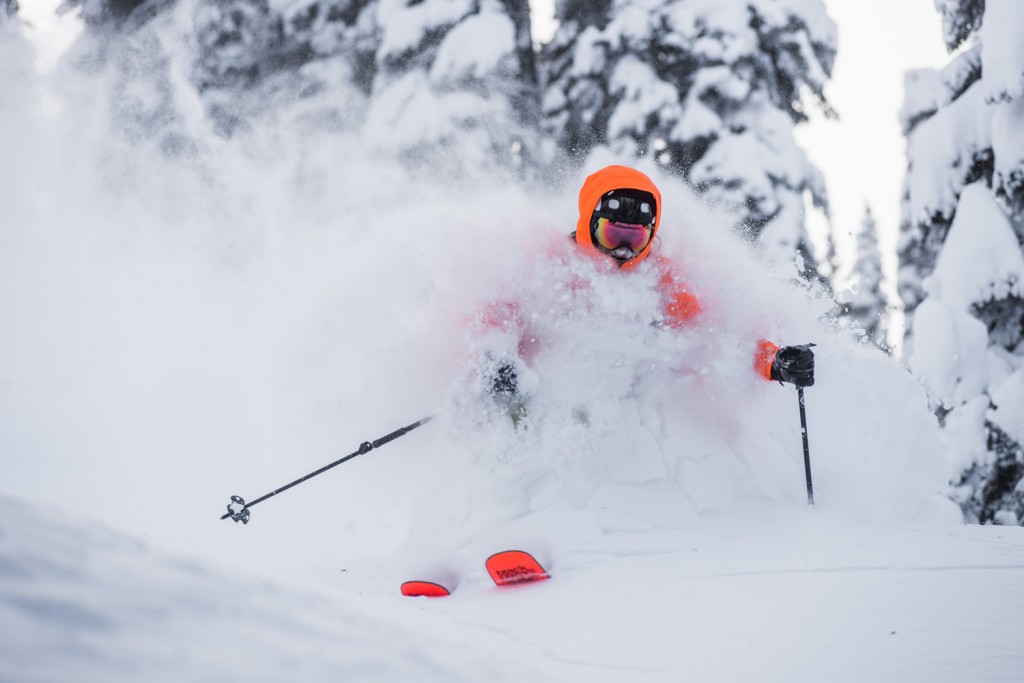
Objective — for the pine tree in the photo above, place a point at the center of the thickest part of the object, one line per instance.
(253, 57)
(249, 58)
(236, 42)
(867, 308)
(927, 207)
(112, 14)
(960, 20)
(456, 86)
(125, 39)
(710, 90)
(241, 42)
(961, 255)
(577, 98)
(8, 9)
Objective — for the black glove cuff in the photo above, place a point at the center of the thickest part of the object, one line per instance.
(505, 380)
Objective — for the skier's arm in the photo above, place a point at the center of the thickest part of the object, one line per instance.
(508, 348)
(764, 357)
(679, 305)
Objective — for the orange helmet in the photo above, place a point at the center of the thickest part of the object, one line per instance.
(608, 185)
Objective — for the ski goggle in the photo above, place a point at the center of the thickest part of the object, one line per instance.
(611, 235)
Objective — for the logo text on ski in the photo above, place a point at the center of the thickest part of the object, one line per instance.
(514, 566)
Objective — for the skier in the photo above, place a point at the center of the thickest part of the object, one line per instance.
(619, 217)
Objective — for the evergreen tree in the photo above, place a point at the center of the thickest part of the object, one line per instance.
(577, 99)
(8, 9)
(928, 208)
(104, 14)
(252, 57)
(456, 87)
(960, 20)
(241, 42)
(961, 255)
(249, 58)
(125, 38)
(867, 308)
(711, 90)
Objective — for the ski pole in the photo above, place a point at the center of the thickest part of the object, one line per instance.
(807, 450)
(238, 509)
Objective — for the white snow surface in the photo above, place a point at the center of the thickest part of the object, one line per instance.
(180, 329)
(782, 596)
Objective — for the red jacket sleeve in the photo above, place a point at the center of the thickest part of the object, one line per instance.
(764, 358)
(679, 305)
(505, 316)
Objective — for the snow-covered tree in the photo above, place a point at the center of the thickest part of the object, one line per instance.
(128, 41)
(710, 88)
(960, 19)
(577, 100)
(929, 204)
(243, 59)
(113, 13)
(456, 85)
(8, 9)
(961, 255)
(239, 42)
(866, 305)
(256, 55)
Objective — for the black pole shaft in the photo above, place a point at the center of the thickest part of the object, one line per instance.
(365, 447)
(807, 449)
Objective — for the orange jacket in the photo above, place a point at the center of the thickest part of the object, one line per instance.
(679, 305)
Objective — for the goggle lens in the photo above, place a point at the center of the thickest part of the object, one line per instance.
(612, 235)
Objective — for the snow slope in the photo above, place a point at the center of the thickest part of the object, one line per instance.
(767, 596)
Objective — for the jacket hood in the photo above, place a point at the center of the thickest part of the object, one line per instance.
(607, 179)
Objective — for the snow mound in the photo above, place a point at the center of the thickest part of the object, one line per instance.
(79, 601)
(803, 593)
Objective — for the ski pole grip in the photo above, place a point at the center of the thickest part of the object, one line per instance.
(400, 432)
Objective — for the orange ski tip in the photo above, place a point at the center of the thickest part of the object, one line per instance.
(425, 589)
(514, 566)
